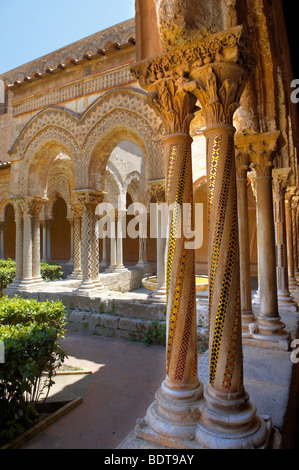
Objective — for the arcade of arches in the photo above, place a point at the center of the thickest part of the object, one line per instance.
(189, 102)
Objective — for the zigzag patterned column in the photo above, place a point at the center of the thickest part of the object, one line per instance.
(89, 200)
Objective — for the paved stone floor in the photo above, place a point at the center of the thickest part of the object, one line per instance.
(125, 376)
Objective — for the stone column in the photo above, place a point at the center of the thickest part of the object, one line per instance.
(120, 218)
(18, 209)
(159, 293)
(48, 228)
(36, 254)
(2, 250)
(44, 229)
(285, 300)
(269, 330)
(294, 206)
(104, 262)
(89, 200)
(27, 212)
(77, 217)
(293, 285)
(225, 418)
(227, 413)
(297, 230)
(112, 241)
(96, 252)
(242, 167)
(71, 222)
(256, 298)
(172, 417)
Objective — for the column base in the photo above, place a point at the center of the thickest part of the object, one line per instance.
(172, 419)
(286, 302)
(293, 285)
(256, 299)
(158, 295)
(26, 284)
(231, 423)
(247, 318)
(88, 288)
(268, 333)
(76, 275)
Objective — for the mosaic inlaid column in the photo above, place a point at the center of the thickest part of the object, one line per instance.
(158, 191)
(285, 300)
(77, 217)
(88, 200)
(269, 329)
(242, 167)
(293, 285)
(229, 419)
(172, 417)
(225, 418)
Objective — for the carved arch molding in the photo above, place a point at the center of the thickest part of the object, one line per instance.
(80, 137)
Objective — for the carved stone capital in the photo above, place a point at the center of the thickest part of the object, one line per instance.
(89, 199)
(252, 177)
(170, 99)
(30, 205)
(242, 165)
(262, 148)
(157, 188)
(76, 211)
(211, 69)
(290, 193)
(280, 181)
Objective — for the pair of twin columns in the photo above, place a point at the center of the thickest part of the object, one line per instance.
(213, 71)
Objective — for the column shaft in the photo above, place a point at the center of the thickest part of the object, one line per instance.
(244, 245)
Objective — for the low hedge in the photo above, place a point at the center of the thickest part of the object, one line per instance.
(30, 331)
(49, 272)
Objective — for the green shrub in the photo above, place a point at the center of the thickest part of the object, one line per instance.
(50, 271)
(30, 331)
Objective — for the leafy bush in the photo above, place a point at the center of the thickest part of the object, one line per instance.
(30, 331)
(50, 271)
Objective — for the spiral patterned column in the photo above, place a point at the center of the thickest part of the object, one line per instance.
(77, 270)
